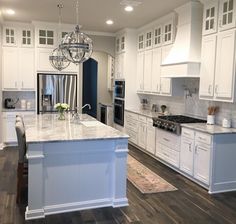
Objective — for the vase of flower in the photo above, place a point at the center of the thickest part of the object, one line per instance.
(61, 108)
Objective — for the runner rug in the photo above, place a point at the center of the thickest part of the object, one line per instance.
(146, 180)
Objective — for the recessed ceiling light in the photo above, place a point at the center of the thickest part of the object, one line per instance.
(129, 8)
(109, 22)
(10, 11)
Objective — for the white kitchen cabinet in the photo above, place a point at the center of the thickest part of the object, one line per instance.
(119, 66)
(186, 155)
(140, 71)
(142, 133)
(131, 126)
(166, 84)
(9, 36)
(207, 71)
(27, 39)
(210, 17)
(168, 32)
(120, 43)
(43, 63)
(225, 66)
(18, 69)
(157, 36)
(227, 14)
(217, 78)
(156, 70)
(46, 37)
(202, 162)
(141, 39)
(147, 76)
(26, 69)
(148, 39)
(195, 154)
(151, 137)
(110, 72)
(8, 126)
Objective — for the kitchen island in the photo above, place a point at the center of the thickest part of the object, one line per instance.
(74, 165)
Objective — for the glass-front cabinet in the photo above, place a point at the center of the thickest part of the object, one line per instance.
(46, 37)
(26, 38)
(227, 17)
(168, 33)
(148, 40)
(157, 42)
(9, 36)
(140, 42)
(210, 17)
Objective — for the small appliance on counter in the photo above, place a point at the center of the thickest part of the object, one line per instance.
(154, 108)
(9, 103)
(144, 104)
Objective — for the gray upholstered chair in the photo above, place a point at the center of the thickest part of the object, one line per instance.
(22, 170)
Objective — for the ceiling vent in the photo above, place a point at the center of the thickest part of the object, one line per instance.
(185, 55)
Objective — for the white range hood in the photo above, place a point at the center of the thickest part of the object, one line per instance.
(184, 57)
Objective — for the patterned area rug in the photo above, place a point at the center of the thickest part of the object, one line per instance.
(145, 180)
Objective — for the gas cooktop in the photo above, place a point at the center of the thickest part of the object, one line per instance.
(173, 123)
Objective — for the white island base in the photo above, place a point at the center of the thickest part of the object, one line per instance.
(69, 176)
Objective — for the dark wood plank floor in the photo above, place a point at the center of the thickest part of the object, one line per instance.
(190, 204)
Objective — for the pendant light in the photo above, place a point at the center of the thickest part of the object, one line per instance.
(57, 59)
(76, 46)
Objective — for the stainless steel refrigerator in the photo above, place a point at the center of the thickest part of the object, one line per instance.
(55, 88)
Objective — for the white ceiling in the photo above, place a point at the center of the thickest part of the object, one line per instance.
(92, 13)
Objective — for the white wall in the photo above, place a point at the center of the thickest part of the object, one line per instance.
(104, 44)
(1, 146)
(103, 95)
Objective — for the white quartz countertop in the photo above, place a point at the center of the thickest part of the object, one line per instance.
(17, 110)
(47, 128)
(210, 129)
(147, 113)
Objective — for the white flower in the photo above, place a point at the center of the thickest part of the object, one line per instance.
(61, 106)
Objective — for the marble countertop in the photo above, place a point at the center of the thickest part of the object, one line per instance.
(147, 113)
(47, 128)
(210, 129)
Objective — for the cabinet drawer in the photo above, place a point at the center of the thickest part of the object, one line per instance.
(132, 116)
(142, 118)
(187, 133)
(133, 136)
(170, 140)
(168, 155)
(131, 124)
(204, 138)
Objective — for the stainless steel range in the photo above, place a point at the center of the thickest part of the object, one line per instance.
(173, 123)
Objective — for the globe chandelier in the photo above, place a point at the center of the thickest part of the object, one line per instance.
(76, 46)
(57, 58)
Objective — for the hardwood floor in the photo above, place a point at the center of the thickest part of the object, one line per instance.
(190, 204)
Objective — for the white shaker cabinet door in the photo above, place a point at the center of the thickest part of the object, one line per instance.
(142, 135)
(202, 162)
(151, 138)
(207, 71)
(156, 70)
(10, 68)
(186, 155)
(225, 66)
(148, 71)
(43, 63)
(26, 69)
(140, 71)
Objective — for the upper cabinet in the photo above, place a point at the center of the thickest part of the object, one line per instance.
(217, 74)
(157, 38)
(168, 32)
(120, 44)
(46, 37)
(9, 36)
(141, 45)
(148, 39)
(227, 14)
(210, 17)
(18, 36)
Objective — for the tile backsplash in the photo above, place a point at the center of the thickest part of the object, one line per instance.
(29, 96)
(191, 105)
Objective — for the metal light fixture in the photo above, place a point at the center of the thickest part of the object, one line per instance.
(77, 46)
(57, 58)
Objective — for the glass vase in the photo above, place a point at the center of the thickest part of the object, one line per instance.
(61, 115)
